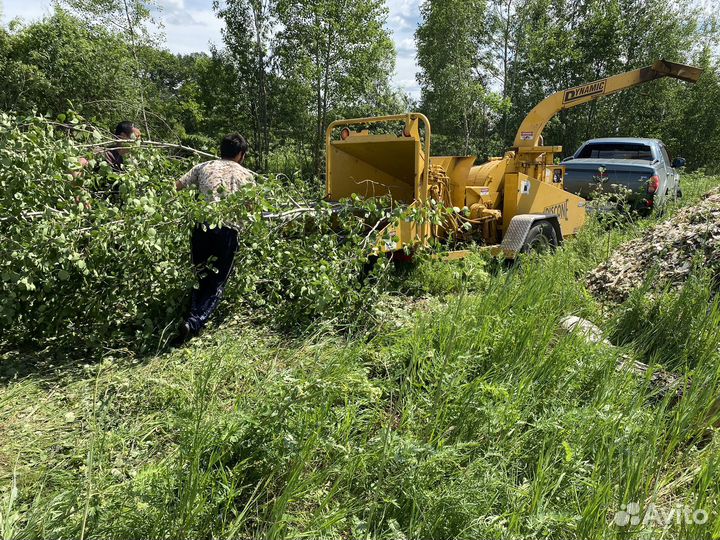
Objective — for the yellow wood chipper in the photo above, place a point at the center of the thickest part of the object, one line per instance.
(515, 202)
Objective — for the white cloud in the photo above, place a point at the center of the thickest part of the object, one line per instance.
(192, 31)
(28, 10)
(407, 9)
(171, 4)
(405, 44)
(403, 18)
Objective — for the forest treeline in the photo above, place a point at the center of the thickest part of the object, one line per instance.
(285, 69)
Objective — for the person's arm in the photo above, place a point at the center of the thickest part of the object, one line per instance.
(187, 180)
(78, 184)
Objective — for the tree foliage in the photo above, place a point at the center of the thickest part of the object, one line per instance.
(286, 69)
(301, 64)
(264, 82)
(569, 43)
(532, 48)
(250, 45)
(456, 68)
(339, 55)
(48, 64)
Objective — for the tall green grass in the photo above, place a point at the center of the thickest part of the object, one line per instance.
(474, 418)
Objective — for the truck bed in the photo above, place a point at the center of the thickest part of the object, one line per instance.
(583, 177)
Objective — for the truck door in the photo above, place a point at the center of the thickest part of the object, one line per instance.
(671, 175)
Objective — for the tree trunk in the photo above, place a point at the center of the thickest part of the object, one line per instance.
(512, 71)
(318, 102)
(466, 128)
(326, 86)
(506, 62)
(138, 72)
(262, 128)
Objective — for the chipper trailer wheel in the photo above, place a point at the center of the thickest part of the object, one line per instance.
(540, 238)
(531, 232)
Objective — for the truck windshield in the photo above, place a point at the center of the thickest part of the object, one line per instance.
(616, 150)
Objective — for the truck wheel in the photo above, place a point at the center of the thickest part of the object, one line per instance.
(540, 238)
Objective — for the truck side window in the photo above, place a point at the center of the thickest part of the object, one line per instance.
(666, 157)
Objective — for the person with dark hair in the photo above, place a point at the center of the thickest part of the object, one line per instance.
(214, 180)
(115, 157)
(124, 131)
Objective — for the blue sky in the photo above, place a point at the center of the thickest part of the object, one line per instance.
(190, 25)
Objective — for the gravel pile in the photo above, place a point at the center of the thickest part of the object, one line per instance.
(673, 249)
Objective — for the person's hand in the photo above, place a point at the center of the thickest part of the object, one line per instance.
(83, 163)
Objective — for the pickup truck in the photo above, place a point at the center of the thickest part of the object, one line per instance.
(640, 165)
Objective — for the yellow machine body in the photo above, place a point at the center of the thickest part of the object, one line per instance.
(524, 184)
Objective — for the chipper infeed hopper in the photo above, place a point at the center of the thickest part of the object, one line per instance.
(393, 165)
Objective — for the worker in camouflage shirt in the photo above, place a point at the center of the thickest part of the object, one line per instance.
(214, 180)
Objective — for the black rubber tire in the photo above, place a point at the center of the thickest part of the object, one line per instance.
(644, 211)
(540, 238)
(367, 268)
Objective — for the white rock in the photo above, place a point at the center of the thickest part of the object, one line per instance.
(584, 328)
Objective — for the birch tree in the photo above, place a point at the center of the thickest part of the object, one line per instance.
(338, 56)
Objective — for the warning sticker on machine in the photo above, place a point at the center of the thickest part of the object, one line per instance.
(526, 135)
(525, 187)
(484, 191)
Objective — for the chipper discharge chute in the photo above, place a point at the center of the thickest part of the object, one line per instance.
(517, 200)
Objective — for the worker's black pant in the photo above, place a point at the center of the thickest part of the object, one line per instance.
(213, 254)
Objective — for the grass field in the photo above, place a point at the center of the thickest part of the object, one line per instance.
(463, 413)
